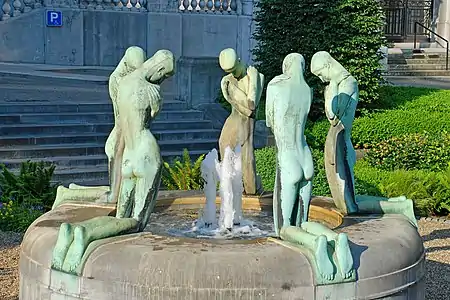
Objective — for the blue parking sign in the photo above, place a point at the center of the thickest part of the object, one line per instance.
(54, 18)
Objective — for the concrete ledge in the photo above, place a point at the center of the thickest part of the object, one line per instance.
(388, 251)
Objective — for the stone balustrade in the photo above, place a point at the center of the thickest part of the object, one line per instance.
(230, 6)
(13, 8)
(120, 5)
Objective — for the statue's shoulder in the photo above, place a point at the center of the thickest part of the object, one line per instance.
(278, 80)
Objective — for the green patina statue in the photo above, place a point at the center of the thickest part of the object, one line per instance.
(287, 106)
(288, 103)
(242, 88)
(136, 168)
(341, 99)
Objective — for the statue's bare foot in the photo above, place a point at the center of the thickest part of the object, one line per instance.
(344, 256)
(323, 260)
(65, 238)
(76, 250)
(408, 211)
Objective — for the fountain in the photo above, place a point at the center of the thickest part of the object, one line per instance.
(131, 241)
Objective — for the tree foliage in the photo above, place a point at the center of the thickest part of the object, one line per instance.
(350, 30)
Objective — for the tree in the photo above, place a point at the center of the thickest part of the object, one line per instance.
(350, 30)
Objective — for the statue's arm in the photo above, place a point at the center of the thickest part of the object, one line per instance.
(154, 97)
(226, 89)
(270, 102)
(255, 86)
(330, 95)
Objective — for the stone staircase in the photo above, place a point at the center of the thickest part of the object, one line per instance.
(420, 62)
(72, 134)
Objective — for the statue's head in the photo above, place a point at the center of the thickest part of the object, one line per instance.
(160, 66)
(292, 63)
(230, 63)
(321, 63)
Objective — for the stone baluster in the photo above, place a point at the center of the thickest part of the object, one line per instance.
(133, 4)
(83, 4)
(143, 4)
(75, 3)
(28, 5)
(181, 5)
(17, 8)
(124, 4)
(99, 5)
(201, 5)
(6, 8)
(107, 4)
(116, 4)
(91, 4)
(37, 4)
(209, 5)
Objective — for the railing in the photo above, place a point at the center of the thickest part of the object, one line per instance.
(124, 5)
(13, 8)
(439, 36)
(229, 6)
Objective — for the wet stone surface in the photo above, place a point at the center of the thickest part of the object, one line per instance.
(183, 223)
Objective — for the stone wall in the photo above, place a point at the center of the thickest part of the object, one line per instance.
(99, 37)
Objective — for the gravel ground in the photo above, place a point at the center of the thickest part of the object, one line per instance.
(436, 236)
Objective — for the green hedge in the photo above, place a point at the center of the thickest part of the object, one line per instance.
(403, 110)
(430, 191)
(266, 167)
(418, 151)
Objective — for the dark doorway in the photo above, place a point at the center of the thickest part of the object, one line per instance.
(401, 15)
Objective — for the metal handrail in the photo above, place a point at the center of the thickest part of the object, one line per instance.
(426, 28)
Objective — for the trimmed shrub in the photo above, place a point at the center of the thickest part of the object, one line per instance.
(350, 30)
(266, 169)
(403, 111)
(413, 151)
(427, 112)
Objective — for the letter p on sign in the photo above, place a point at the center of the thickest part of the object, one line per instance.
(54, 18)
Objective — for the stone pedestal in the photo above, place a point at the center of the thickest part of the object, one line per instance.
(389, 258)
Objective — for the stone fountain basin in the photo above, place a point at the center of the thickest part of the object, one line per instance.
(389, 259)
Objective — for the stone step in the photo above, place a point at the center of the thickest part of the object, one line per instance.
(52, 79)
(94, 171)
(419, 73)
(54, 150)
(91, 117)
(45, 107)
(412, 55)
(27, 129)
(160, 135)
(431, 67)
(428, 61)
(88, 161)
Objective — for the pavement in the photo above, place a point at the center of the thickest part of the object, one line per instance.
(437, 82)
(80, 73)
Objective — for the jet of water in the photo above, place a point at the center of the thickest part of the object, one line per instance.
(210, 176)
(237, 185)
